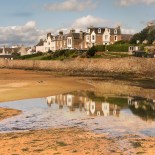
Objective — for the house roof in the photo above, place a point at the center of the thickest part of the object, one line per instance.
(9, 50)
(41, 43)
(112, 30)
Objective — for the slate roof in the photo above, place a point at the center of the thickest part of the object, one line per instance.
(9, 50)
(112, 30)
(41, 43)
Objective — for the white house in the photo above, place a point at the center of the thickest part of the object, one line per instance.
(106, 108)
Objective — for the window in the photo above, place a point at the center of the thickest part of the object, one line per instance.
(99, 30)
(115, 38)
(88, 38)
(115, 31)
(106, 37)
(93, 107)
(69, 41)
(93, 37)
(88, 30)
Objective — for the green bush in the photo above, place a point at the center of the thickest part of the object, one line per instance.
(30, 56)
(100, 48)
(113, 48)
(59, 53)
(92, 51)
(118, 47)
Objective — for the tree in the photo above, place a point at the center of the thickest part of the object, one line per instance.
(136, 37)
(151, 37)
(92, 51)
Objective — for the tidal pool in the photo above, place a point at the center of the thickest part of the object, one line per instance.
(114, 115)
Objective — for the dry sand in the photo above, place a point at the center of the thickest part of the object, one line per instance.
(18, 84)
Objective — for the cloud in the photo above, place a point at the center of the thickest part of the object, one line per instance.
(128, 31)
(88, 21)
(27, 34)
(71, 5)
(133, 2)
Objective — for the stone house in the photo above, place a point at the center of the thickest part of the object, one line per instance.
(40, 46)
(75, 40)
(60, 41)
(102, 36)
(48, 43)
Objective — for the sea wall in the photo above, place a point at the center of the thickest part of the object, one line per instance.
(95, 66)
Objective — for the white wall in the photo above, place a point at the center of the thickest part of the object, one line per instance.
(106, 37)
(69, 42)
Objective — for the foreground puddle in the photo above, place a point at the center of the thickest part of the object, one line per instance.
(110, 114)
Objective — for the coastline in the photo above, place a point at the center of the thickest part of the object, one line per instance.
(14, 84)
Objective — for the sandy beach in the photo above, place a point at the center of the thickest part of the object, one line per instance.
(21, 84)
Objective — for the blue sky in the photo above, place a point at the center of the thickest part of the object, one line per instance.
(21, 19)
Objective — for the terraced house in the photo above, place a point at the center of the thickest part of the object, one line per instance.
(80, 40)
(102, 36)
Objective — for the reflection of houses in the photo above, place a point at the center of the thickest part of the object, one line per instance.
(82, 103)
(51, 100)
(142, 107)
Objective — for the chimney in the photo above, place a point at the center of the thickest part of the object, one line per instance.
(81, 34)
(3, 52)
(118, 27)
(72, 31)
(48, 35)
(60, 32)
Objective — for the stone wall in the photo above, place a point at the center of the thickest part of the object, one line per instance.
(119, 65)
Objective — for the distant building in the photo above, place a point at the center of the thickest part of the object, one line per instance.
(133, 49)
(151, 23)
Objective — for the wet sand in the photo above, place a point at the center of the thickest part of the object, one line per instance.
(6, 113)
(57, 141)
(20, 84)
(70, 141)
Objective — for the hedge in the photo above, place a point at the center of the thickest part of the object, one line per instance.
(116, 47)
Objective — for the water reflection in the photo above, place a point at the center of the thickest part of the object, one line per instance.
(113, 114)
(104, 106)
(82, 103)
(142, 107)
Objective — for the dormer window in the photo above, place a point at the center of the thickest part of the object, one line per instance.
(88, 30)
(109, 30)
(99, 30)
(115, 31)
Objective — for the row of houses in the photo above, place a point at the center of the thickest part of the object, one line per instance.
(7, 52)
(80, 40)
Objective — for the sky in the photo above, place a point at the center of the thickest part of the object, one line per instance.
(27, 21)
